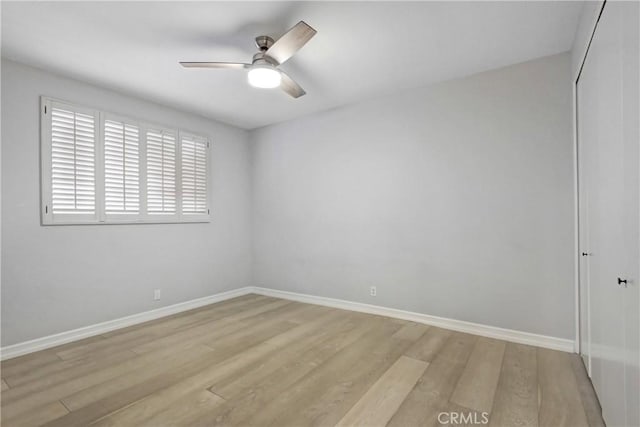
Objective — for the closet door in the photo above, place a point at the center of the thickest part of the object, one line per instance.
(628, 22)
(601, 102)
(607, 95)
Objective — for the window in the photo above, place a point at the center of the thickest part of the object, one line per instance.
(100, 168)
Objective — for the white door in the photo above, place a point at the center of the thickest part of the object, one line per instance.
(628, 22)
(607, 95)
(600, 103)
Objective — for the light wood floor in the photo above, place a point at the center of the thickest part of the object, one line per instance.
(263, 361)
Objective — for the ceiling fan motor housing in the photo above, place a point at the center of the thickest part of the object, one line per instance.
(264, 42)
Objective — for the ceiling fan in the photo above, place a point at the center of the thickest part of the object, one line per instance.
(263, 70)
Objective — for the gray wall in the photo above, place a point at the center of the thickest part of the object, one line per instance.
(57, 278)
(454, 200)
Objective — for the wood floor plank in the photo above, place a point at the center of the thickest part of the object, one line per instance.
(432, 391)
(516, 399)
(185, 411)
(21, 364)
(559, 397)
(38, 416)
(477, 385)
(587, 393)
(308, 313)
(428, 345)
(260, 326)
(411, 331)
(51, 375)
(117, 343)
(384, 398)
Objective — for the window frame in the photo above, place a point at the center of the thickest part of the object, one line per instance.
(100, 216)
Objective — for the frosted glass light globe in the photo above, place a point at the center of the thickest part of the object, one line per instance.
(264, 76)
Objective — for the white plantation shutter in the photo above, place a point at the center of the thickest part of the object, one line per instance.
(102, 168)
(194, 174)
(73, 162)
(121, 167)
(161, 172)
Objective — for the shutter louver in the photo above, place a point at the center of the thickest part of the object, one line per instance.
(121, 168)
(73, 166)
(161, 172)
(194, 174)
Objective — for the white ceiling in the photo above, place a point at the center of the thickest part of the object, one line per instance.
(362, 50)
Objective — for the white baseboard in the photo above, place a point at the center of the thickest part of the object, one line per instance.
(519, 337)
(442, 322)
(37, 344)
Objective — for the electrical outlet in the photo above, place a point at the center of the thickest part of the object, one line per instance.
(156, 294)
(372, 291)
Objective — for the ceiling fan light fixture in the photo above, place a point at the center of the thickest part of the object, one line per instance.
(264, 76)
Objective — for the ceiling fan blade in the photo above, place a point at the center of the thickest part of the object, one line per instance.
(291, 42)
(291, 87)
(228, 65)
